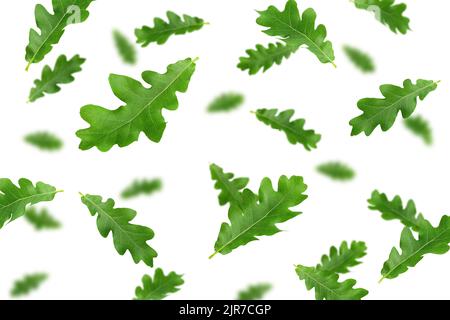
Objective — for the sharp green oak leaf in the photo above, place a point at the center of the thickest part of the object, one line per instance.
(327, 285)
(324, 278)
(387, 12)
(340, 260)
(126, 236)
(51, 80)
(255, 292)
(265, 57)
(44, 140)
(29, 283)
(260, 213)
(52, 26)
(229, 186)
(383, 112)
(294, 130)
(41, 220)
(159, 287)
(226, 102)
(15, 199)
(393, 210)
(430, 241)
(360, 59)
(125, 48)
(145, 186)
(143, 109)
(298, 29)
(336, 171)
(163, 30)
(421, 128)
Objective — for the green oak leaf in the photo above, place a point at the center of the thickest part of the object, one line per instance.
(360, 59)
(15, 199)
(340, 260)
(226, 102)
(383, 112)
(421, 128)
(298, 29)
(229, 186)
(265, 57)
(126, 236)
(387, 12)
(254, 292)
(41, 220)
(294, 130)
(52, 26)
(260, 213)
(143, 109)
(29, 283)
(163, 30)
(431, 240)
(327, 285)
(144, 186)
(44, 140)
(393, 210)
(125, 48)
(51, 80)
(336, 171)
(159, 287)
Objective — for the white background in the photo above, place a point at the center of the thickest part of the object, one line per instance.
(186, 216)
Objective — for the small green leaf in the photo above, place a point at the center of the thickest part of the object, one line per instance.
(41, 220)
(160, 286)
(230, 187)
(298, 29)
(226, 102)
(142, 111)
(430, 241)
(125, 48)
(383, 112)
(15, 199)
(126, 236)
(393, 210)
(163, 30)
(44, 140)
(294, 130)
(260, 213)
(139, 187)
(51, 80)
(52, 26)
(336, 171)
(420, 127)
(339, 261)
(265, 57)
(360, 59)
(327, 285)
(387, 12)
(255, 292)
(29, 283)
